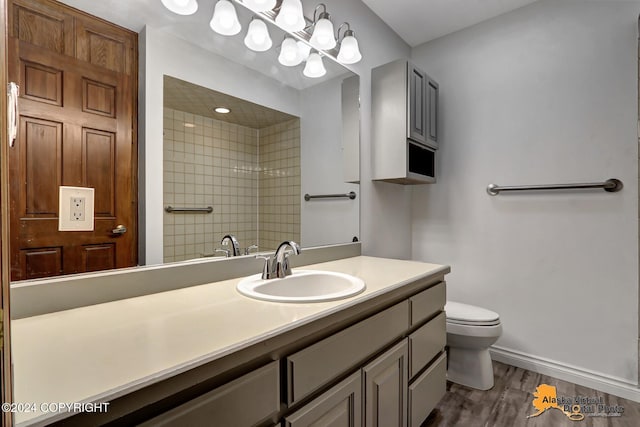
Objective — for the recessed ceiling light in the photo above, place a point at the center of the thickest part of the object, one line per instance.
(189, 125)
(222, 110)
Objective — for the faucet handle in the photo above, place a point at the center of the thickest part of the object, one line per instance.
(248, 250)
(266, 269)
(227, 252)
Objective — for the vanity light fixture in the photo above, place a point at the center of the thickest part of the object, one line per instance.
(225, 20)
(260, 5)
(257, 37)
(189, 125)
(322, 36)
(315, 67)
(290, 16)
(181, 7)
(222, 110)
(349, 52)
(290, 54)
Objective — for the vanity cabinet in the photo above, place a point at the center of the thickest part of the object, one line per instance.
(405, 123)
(401, 385)
(378, 364)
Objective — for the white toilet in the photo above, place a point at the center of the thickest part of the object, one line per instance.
(470, 332)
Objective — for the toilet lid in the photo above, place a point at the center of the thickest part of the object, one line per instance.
(470, 314)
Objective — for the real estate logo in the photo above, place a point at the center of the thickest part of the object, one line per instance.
(575, 408)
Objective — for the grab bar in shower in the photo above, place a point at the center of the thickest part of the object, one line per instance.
(611, 185)
(171, 209)
(351, 195)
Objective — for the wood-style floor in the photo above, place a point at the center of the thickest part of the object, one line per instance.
(509, 402)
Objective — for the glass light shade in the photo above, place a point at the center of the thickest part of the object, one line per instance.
(304, 49)
(257, 37)
(225, 20)
(349, 51)
(322, 36)
(290, 54)
(181, 7)
(315, 67)
(260, 5)
(290, 16)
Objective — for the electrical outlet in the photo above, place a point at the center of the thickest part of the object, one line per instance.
(76, 211)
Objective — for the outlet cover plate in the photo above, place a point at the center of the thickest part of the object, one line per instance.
(75, 209)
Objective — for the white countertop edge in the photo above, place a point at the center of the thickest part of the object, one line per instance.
(139, 384)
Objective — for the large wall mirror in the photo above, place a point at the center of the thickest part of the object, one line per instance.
(287, 135)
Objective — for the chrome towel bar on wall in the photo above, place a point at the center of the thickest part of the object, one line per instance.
(611, 185)
(171, 209)
(351, 195)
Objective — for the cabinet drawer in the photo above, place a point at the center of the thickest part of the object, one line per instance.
(340, 406)
(245, 401)
(426, 342)
(319, 363)
(427, 303)
(427, 390)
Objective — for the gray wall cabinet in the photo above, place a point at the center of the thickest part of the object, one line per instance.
(404, 117)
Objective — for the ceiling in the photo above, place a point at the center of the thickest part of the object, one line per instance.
(419, 21)
(194, 99)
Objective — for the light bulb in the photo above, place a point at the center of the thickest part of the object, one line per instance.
(322, 36)
(290, 55)
(290, 17)
(225, 20)
(260, 5)
(181, 7)
(315, 67)
(258, 38)
(349, 51)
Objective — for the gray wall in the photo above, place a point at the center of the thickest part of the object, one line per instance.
(385, 208)
(545, 94)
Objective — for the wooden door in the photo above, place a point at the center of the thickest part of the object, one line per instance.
(77, 127)
(385, 388)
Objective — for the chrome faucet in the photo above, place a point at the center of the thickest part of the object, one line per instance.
(278, 267)
(235, 251)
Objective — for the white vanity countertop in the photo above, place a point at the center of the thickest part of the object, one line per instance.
(103, 351)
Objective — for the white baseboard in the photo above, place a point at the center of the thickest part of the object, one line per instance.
(578, 376)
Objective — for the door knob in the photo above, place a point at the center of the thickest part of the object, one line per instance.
(120, 229)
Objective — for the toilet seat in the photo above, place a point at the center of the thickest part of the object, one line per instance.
(465, 314)
(470, 323)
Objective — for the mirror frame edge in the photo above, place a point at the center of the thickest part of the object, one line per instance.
(6, 384)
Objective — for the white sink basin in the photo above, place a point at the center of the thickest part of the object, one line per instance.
(302, 286)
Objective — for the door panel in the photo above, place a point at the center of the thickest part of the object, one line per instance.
(99, 257)
(42, 152)
(42, 262)
(98, 98)
(42, 83)
(41, 25)
(99, 150)
(77, 128)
